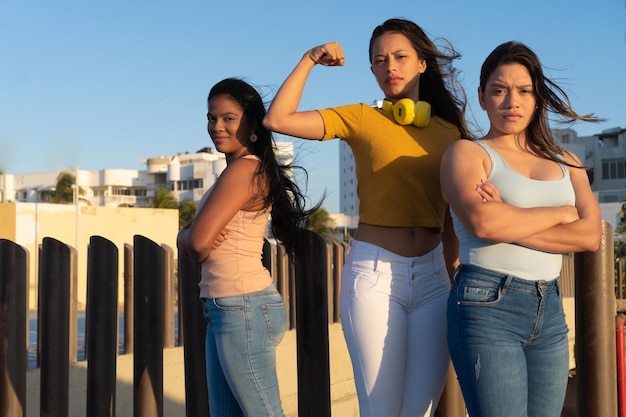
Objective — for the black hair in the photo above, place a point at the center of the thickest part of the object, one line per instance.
(282, 194)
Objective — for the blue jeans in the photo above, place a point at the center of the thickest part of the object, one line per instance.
(508, 342)
(241, 338)
(393, 313)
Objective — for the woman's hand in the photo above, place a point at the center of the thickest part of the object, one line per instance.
(220, 238)
(488, 192)
(329, 54)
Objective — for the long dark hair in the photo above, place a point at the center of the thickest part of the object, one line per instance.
(287, 202)
(439, 85)
(549, 97)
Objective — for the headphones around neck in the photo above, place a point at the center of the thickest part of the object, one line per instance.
(405, 112)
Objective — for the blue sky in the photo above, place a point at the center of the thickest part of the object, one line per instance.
(102, 84)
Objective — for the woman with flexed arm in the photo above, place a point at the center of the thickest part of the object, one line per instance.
(395, 281)
(518, 202)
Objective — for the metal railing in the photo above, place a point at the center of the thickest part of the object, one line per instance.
(309, 285)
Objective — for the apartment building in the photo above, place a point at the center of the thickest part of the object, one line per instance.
(186, 175)
(604, 155)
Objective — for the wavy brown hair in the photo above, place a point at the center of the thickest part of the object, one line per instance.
(549, 97)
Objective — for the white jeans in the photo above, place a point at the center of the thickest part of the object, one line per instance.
(393, 313)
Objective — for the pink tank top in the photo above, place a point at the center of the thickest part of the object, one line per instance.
(235, 267)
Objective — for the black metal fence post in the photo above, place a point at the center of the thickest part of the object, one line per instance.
(194, 329)
(54, 306)
(312, 325)
(13, 328)
(148, 356)
(101, 326)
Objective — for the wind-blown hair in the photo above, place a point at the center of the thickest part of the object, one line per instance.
(283, 195)
(549, 97)
(439, 85)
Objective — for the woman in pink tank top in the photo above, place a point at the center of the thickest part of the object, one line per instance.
(245, 314)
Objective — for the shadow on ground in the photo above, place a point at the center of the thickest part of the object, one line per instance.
(569, 408)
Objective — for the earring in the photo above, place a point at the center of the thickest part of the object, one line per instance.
(253, 137)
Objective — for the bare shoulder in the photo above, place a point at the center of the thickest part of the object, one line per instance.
(464, 147)
(242, 165)
(571, 158)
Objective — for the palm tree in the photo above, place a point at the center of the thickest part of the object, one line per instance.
(163, 198)
(186, 212)
(64, 191)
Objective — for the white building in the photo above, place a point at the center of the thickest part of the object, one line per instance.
(348, 198)
(187, 176)
(604, 155)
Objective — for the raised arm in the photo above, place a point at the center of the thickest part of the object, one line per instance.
(283, 115)
(463, 167)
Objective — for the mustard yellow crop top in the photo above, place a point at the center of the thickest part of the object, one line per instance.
(397, 167)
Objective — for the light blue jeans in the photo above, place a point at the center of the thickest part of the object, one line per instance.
(393, 313)
(241, 338)
(508, 341)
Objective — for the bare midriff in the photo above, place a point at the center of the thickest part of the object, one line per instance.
(403, 241)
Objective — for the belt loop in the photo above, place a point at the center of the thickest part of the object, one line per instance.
(507, 283)
(376, 258)
(349, 248)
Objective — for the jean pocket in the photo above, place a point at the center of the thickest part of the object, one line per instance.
(364, 282)
(229, 303)
(276, 321)
(478, 293)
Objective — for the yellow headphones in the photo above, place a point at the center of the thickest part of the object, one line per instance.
(405, 111)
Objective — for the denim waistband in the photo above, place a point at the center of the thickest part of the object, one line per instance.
(505, 280)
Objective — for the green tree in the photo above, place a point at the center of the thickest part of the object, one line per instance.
(186, 212)
(621, 227)
(321, 223)
(620, 249)
(64, 190)
(163, 198)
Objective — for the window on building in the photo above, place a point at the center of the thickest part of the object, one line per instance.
(198, 183)
(613, 169)
(45, 195)
(608, 199)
